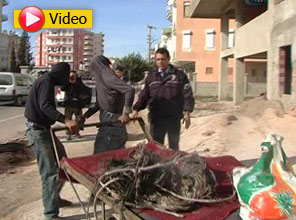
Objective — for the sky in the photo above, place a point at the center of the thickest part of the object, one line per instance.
(124, 22)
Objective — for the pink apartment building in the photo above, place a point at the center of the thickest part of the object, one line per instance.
(76, 47)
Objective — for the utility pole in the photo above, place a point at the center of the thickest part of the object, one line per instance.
(150, 41)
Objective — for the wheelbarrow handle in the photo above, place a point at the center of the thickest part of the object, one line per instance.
(99, 124)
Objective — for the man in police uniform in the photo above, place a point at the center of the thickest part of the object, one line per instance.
(168, 94)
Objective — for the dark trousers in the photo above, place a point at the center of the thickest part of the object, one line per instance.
(48, 168)
(70, 111)
(110, 137)
(162, 126)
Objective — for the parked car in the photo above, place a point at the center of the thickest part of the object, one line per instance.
(15, 87)
(60, 95)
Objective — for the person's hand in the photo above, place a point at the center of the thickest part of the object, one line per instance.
(73, 126)
(124, 118)
(187, 120)
(135, 114)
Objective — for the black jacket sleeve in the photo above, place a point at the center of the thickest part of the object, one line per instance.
(91, 111)
(143, 98)
(47, 103)
(188, 95)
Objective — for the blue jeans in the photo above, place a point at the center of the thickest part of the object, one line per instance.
(48, 168)
(110, 137)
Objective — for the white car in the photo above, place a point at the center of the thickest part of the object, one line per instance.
(60, 96)
(14, 87)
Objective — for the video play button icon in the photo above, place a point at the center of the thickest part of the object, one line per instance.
(31, 19)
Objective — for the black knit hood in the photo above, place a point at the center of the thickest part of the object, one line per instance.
(60, 73)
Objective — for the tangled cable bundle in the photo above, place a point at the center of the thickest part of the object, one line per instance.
(145, 180)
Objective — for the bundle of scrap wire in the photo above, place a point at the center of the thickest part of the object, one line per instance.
(145, 180)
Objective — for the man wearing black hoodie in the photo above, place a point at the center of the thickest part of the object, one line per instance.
(41, 113)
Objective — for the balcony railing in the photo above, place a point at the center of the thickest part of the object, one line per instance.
(87, 42)
(88, 53)
(4, 18)
(4, 2)
(88, 48)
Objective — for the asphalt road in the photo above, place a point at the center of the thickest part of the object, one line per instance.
(12, 122)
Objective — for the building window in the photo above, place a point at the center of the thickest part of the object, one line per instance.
(186, 40)
(69, 57)
(186, 10)
(209, 70)
(285, 69)
(210, 39)
(69, 48)
(70, 40)
(231, 38)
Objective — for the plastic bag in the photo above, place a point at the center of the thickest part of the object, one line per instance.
(267, 189)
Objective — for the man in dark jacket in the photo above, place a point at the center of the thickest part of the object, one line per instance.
(114, 99)
(168, 94)
(41, 113)
(77, 96)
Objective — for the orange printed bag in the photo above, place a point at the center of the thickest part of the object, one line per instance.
(267, 190)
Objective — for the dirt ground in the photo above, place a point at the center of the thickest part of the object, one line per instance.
(218, 128)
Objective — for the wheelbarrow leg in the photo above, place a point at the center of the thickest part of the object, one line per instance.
(103, 210)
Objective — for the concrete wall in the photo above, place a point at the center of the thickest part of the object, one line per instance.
(252, 89)
(282, 34)
(253, 37)
(256, 71)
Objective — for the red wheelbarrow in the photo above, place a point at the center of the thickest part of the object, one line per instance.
(87, 170)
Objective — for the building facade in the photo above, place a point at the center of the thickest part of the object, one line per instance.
(195, 46)
(76, 47)
(8, 41)
(265, 32)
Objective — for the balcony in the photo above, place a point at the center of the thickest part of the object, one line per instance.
(210, 8)
(88, 48)
(88, 53)
(4, 3)
(88, 42)
(4, 18)
(250, 39)
(87, 37)
(169, 9)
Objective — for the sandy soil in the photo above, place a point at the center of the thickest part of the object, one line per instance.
(216, 129)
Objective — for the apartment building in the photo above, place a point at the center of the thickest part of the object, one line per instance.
(168, 35)
(93, 46)
(3, 38)
(76, 47)
(262, 32)
(8, 41)
(195, 46)
(3, 17)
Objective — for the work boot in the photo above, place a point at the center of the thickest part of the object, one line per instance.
(68, 137)
(64, 203)
(78, 135)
